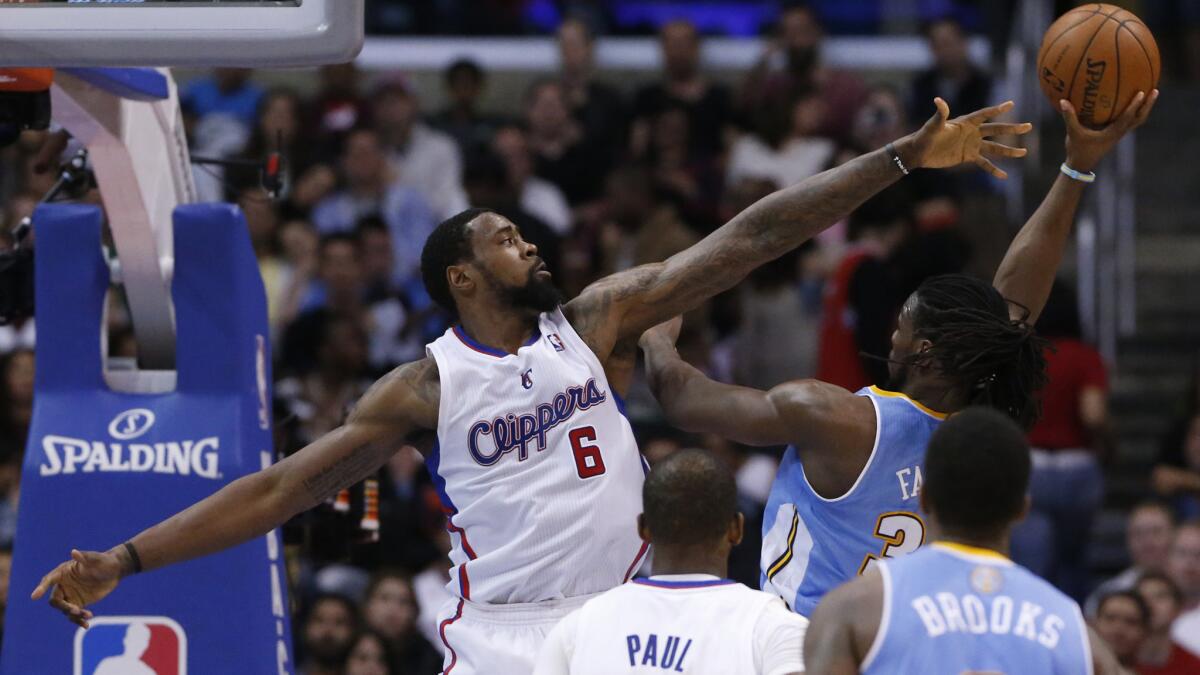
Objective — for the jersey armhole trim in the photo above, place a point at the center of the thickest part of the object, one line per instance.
(866, 467)
(884, 618)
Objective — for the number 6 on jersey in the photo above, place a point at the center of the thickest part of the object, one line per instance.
(588, 461)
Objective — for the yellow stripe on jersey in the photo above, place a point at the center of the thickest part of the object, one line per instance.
(970, 550)
(895, 394)
(782, 561)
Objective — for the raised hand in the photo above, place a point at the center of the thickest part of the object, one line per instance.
(1086, 147)
(84, 579)
(943, 142)
(664, 334)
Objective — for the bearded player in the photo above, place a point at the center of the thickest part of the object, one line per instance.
(514, 409)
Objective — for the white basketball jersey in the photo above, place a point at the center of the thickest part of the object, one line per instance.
(537, 468)
(655, 626)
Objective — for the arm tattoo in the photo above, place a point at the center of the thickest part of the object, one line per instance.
(353, 467)
(629, 302)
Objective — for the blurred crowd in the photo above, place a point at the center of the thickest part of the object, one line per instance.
(602, 176)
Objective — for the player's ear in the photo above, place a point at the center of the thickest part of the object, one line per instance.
(643, 530)
(460, 278)
(737, 529)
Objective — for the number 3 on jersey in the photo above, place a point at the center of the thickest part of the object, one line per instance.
(588, 462)
(902, 533)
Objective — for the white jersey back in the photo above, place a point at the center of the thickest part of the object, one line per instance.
(712, 626)
(537, 468)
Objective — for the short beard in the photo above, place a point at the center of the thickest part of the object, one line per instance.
(537, 294)
(898, 380)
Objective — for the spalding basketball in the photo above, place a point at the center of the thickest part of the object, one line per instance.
(1098, 57)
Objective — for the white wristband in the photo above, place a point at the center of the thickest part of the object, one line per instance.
(1089, 177)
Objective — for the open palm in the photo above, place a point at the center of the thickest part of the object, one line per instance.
(943, 142)
(84, 579)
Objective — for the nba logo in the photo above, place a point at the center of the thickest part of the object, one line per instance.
(556, 342)
(131, 645)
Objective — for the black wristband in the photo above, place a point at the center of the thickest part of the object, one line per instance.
(895, 156)
(133, 556)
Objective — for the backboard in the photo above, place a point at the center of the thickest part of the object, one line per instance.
(247, 33)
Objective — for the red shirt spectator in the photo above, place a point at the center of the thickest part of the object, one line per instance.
(1180, 662)
(1073, 367)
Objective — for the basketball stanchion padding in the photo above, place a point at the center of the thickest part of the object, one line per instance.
(102, 465)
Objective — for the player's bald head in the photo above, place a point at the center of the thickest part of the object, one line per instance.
(689, 498)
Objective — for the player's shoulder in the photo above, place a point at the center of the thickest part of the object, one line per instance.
(411, 390)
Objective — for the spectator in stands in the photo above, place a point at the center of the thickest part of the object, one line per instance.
(1069, 441)
(277, 129)
(462, 119)
(325, 635)
(800, 153)
(321, 397)
(372, 189)
(790, 68)
(262, 221)
(228, 91)
(537, 195)
(598, 107)
(372, 654)
(861, 300)
(1123, 621)
(391, 609)
(708, 105)
(952, 77)
(1160, 654)
(562, 152)
(378, 258)
(1148, 534)
(1183, 566)
(16, 396)
(1177, 474)
(11, 458)
(690, 181)
(341, 291)
(643, 228)
(337, 107)
(881, 119)
(423, 158)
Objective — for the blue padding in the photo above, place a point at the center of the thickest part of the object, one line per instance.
(138, 84)
(101, 466)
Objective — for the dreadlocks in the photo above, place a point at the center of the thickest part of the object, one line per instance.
(999, 361)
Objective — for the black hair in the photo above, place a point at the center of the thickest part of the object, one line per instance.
(464, 66)
(689, 498)
(448, 244)
(387, 574)
(948, 19)
(338, 238)
(346, 603)
(1176, 592)
(391, 654)
(1157, 505)
(998, 360)
(1060, 317)
(977, 471)
(1132, 596)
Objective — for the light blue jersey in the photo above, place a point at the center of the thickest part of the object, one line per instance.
(812, 544)
(952, 609)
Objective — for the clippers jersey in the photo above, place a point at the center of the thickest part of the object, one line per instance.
(537, 468)
(812, 544)
(951, 609)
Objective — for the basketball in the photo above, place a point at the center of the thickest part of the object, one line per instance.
(1098, 57)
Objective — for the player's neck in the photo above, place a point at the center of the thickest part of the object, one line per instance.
(500, 328)
(998, 544)
(935, 394)
(672, 560)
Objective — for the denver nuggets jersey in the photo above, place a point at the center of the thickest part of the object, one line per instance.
(812, 544)
(695, 624)
(951, 609)
(537, 468)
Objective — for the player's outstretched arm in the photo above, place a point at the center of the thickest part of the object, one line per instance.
(625, 304)
(400, 405)
(824, 415)
(1031, 263)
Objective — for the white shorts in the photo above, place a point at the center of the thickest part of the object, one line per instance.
(488, 639)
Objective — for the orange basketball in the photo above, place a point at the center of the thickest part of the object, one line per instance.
(1098, 57)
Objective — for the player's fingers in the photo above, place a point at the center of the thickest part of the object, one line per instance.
(991, 111)
(1143, 113)
(983, 163)
(45, 584)
(1129, 115)
(1005, 129)
(1000, 150)
(943, 108)
(1072, 120)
